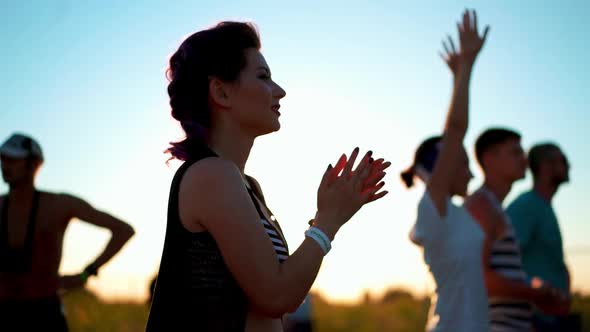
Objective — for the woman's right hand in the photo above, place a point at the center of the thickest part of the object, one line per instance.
(469, 41)
(343, 191)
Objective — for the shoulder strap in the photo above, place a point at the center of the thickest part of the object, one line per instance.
(254, 193)
(255, 188)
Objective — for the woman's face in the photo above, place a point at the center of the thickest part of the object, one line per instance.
(255, 97)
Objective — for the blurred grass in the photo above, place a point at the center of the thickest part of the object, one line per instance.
(87, 313)
(396, 311)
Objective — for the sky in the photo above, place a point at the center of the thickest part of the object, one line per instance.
(86, 79)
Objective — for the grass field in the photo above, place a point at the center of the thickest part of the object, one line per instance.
(396, 311)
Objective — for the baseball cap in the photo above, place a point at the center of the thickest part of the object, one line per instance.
(21, 146)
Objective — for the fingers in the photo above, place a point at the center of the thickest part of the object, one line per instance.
(447, 52)
(348, 168)
(379, 166)
(326, 177)
(371, 194)
(377, 196)
(452, 44)
(485, 33)
(373, 180)
(364, 164)
(377, 174)
(474, 18)
(466, 24)
(339, 166)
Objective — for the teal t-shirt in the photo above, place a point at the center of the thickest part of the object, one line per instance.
(539, 237)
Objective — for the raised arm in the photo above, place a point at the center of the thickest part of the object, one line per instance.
(461, 65)
(212, 195)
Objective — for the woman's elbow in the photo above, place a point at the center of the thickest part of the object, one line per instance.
(274, 306)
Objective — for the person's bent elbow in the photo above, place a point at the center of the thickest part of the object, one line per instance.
(123, 231)
(275, 306)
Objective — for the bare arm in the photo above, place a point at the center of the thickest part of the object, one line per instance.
(121, 232)
(461, 65)
(212, 194)
(497, 285)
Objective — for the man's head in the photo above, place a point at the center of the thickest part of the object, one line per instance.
(21, 157)
(500, 154)
(548, 163)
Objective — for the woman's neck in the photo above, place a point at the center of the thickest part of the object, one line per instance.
(231, 143)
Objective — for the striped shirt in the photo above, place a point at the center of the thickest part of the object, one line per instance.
(271, 226)
(277, 241)
(507, 314)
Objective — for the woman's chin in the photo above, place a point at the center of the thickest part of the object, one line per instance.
(269, 129)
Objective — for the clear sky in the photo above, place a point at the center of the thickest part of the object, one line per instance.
(87, 80)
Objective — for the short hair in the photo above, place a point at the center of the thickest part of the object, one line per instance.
(491, 138)
(539, 153)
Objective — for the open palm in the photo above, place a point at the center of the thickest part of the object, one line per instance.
(470, 43)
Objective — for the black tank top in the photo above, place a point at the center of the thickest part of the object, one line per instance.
(194, 290)
(17, 260)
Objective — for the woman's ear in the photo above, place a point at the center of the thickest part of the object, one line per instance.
(219, 93)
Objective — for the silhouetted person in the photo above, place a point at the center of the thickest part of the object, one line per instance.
(451, 239)
(511, 294)
(537, 229)
(225, 264)
(33, 224)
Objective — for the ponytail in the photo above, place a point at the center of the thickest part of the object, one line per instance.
(195, 140)
(407, 177)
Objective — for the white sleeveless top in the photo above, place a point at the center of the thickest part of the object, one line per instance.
(453, 252)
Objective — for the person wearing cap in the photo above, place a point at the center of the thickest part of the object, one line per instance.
(32, 227)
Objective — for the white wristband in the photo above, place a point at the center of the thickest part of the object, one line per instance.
(320, 237)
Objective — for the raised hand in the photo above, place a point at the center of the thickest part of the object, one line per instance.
(343, 191)
(470, 43)
(451, 56)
